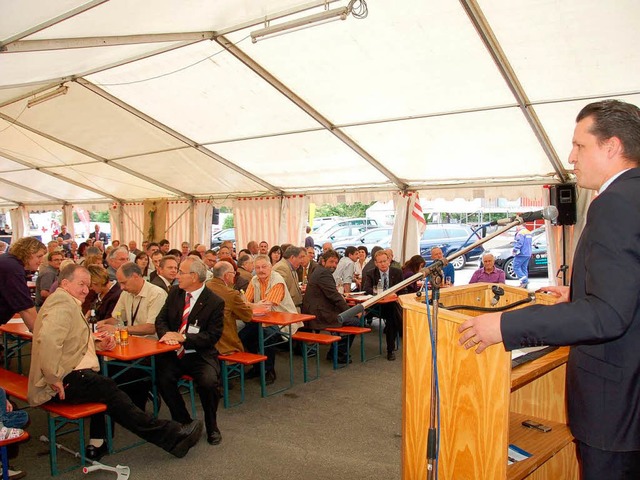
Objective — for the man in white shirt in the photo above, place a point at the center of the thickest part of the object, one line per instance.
(346, 267)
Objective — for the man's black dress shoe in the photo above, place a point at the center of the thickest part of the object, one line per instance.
(270, 377)
(391, 356)
(96, 453)
(215, 438)
(188, 436)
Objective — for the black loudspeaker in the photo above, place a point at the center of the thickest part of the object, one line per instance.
(563, 197)
(216, 216)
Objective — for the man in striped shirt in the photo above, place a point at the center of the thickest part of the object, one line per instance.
(266, 288)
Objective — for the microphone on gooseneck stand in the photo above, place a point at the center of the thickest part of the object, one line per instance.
(547, 213)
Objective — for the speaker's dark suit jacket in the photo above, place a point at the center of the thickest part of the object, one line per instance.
(602, 322)
(207, 314)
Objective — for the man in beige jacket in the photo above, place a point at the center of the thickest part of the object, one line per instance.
(64, 366)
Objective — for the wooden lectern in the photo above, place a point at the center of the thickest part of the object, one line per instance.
(482, 399)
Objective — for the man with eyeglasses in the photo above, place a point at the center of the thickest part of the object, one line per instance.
(192, 317)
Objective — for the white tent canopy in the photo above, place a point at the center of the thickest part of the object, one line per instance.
(171, 99)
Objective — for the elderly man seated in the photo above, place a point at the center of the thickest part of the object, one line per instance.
(64, 366)
(266, 288)
(488, 272)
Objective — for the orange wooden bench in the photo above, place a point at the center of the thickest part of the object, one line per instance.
(58, 415)
(311, 344)
(232, 366)
(4, 457)
(347, 330)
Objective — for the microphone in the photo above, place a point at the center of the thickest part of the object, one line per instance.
(497, 293)
(547, 213)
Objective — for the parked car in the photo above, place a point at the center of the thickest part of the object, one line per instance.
(223, 236)
(377, 236)
(320, 222)
(537, 262)
(450, 237)
(322, 231)
(339, 233)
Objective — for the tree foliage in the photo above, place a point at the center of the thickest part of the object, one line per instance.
(357, 209)
(99, 216)
(228, 222)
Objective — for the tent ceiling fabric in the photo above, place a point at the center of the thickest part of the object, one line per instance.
(409, 97)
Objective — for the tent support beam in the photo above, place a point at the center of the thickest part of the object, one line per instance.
(31, 190)
(91, 42)
(480, 23)
(49, 23)
(97, 90)
(308, 109)
(98, 158)
(60, 177)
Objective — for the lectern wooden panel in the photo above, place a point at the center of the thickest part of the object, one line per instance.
(482, 402)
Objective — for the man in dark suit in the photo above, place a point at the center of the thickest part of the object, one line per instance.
(166, 273)
(323, 300)
(192, 316)
(391, 312)
(98, 235)
(599, 315)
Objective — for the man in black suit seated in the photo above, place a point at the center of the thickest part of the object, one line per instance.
(193, 317)
(166, 273)
(323, 300)
(599, 315)
(391, 312)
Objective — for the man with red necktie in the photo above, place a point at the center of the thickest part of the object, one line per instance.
(192, 316)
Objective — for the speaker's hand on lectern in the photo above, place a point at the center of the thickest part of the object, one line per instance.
(559, 291)
(481, 331)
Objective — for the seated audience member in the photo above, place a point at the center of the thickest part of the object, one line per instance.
(155, 262)
(201, 248)
(107, 291)
(410, 268)
(326, 246)
(263, 248)
(447, 271)
(24, 254)
(52, 246)
(115, 243)
(142, 260)
(235, 307)
(275, 254)
(152, 247)
(244, 251)
(3, 247)
(488, 272)
(253, 248)
(287, 268)
(184, 250)
(64, 366)
(192, 317)
(266, 288)
(363, 253)
(115, 259)
(167, 272)
(210, 259)
(391, 312)
(393, 263)
(345, 270)
(138, 306)
(73, 251)
(323, 300)
(82, 252)
(63, 264)
(165, 246)
(307, 267)
(133, 250)
(371, 264)
(224, 251)
(243, 275)
(176, 253)
(47, 277)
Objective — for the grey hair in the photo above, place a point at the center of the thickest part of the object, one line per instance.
(264, 258)
(243, 260)
(199, 268)
(221, 268)
(113, 252)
